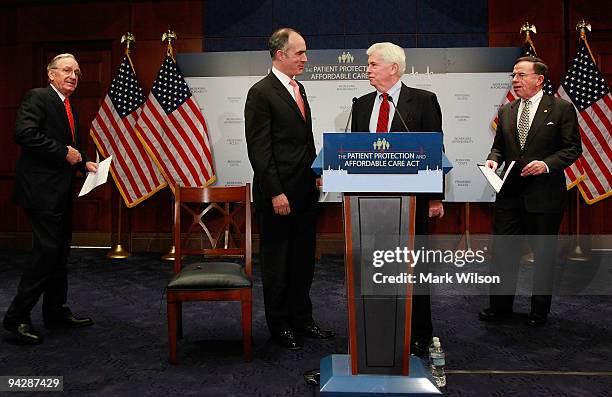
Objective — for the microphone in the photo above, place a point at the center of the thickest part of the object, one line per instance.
(350, 115)
(390, 99)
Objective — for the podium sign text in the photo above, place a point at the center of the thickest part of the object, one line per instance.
(394, 162)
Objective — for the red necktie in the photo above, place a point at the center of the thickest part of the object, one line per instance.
(383, 115)
(298, 97)
(70, 118)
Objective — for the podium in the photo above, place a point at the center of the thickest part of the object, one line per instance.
(378, 175)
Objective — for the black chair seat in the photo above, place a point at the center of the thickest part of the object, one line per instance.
(210, 275)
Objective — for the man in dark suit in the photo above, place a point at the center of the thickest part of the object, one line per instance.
(46, 130)
(540, 133)
(374, 112)
(281, 150)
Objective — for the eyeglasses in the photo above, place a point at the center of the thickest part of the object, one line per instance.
(520, 75)
(68, 71)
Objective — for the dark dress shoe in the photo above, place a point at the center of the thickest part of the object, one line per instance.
(536, 320)
(312, 377)
(288, 339)
(67, 320)
(489, 314)
(313, 331)
(24, 333)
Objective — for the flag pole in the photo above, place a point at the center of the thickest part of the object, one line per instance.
(118, 252)
(528, 28)
(577, 255)
(170, 36)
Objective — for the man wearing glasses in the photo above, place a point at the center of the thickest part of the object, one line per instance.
(47, 131)
(540, 133)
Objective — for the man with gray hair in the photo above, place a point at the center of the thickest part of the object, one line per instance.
(375, 113)
(47, 131)
(280, 146)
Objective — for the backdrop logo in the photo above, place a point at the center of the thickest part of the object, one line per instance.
(346, 57)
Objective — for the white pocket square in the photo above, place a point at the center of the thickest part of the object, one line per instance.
(550, 123)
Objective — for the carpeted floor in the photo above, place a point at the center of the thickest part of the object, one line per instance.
(125, 352)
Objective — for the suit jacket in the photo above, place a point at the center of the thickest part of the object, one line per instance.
(280, 145)
(553, 138)
(419, 108)
(43, 175)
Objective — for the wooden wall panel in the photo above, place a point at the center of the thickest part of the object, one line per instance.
(600, 38)
(153, 215)
(72, 22)
(507, 17)
(27, 31)
(556, 44)
(549, 45)
(152, 18)
(149, 55)
(10, 150)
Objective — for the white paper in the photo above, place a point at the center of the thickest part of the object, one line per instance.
(95, 179)
(494, 180)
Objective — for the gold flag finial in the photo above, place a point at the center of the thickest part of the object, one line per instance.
(128, 39)
(169, 36)
(527, 28)
(583, 26)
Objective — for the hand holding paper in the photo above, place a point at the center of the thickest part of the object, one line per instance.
(494, 180)
(95, 179)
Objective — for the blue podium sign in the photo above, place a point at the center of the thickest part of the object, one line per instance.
(395, 162)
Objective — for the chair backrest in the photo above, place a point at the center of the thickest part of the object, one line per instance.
(220, 219)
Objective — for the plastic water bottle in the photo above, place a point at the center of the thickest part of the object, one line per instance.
(431, 346)
(437, 359)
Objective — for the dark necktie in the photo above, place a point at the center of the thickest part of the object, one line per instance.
(383, 115)
(70, 118)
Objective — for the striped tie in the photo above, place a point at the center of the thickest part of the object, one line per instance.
(523, 126)
(383, 114)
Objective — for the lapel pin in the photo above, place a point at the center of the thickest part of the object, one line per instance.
(545, 110)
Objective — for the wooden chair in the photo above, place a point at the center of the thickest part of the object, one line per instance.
(222, 218)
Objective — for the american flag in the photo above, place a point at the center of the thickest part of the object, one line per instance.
(113, 131)
(586, 88)
(528, 51)
(174, 130)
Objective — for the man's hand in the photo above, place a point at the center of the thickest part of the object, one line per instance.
(536, 167)
(491, 164)
(91, 166)
(436, 209)
(280, 204)
(73, 156)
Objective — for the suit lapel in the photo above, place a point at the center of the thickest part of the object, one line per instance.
(60, 111)
(402, 106)
(364, 117)
(544, 110)
(286, 96)
(513, 120)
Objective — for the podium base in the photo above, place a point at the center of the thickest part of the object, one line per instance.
(337, 380)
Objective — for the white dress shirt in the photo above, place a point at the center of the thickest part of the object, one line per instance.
(394, 92)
